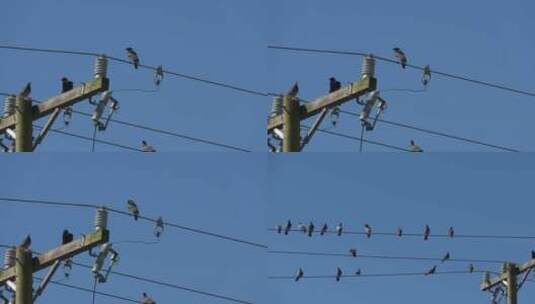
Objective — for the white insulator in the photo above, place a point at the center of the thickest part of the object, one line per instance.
(101, 66)
(101, 219)
(368, 67)
(9, 258)
(276, 106)
(9, 105)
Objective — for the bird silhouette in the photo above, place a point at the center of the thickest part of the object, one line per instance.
(339, 229)
(132, 55)
(471, 268)
(358, 272)
(533, 254)
(413, 147)
(288, 227)
(353, 252)
(66, 237)
(310, 229)
(302, 227)
(279, 229)
(446, 257)
(158, 229)
(400, 55)
(399, 232)
(132, 208)
(368, 230)
(145, 299)
(427, 232)
(324, 229)
(451, 232)
(145, 147)
(334, 85)
(294, 90)
(432, 270)
(300, 274)
(158, 76)
(66, 85)
(27, 242)
(26, 91)
(426, 77)
(338, 274)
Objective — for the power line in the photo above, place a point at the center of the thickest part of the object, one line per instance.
(421, 235)
(382, 257)
(437, 133)
(93, 54)
(463, 78)
(94, 206)
(395, 274)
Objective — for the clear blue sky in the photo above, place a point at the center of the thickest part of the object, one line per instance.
(227, 42)
(477, 194)
(203, 192)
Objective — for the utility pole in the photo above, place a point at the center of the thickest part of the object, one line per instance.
(286, 125)
(24, 275)
(26, 113)
(508, 278)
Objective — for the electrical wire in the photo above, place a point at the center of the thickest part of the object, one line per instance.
(468, 140)
(362, 54)
(395, 274)
(94, 206)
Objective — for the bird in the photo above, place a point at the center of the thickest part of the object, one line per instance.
(427, 232)
(310, 229)
(339, 229)
(426, 76)
(446, 257)
(358, 272)
(66, 85)
(413, 147)
(324, 229)
(338, 274)
(368, 230)
(26, 90)
(302, 227)
(132, 55)
(132, 207)
(471, 268)
(451, 232)
(334, 85)
(399, 232)
(158, 76)
(432, 270)
(279, 229)
(300, 274)
(145, 299)
(353, 252)
(158, 229)
(67, 237)
(145, 147)
(27, 242)
(288, 227)
(401, 57)
(533, 254)
(294, 90)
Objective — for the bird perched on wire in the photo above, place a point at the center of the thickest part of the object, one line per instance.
(338, 274)
(27, 242)
(451, 232)
(66, 237)
(288, 227)
(158, 229)
(353, 252)
(368, 230)
(145, 147)
(279, 229)
(413, 147)
(26, 91)
(66, 85)
(158, 76)
(300, 274)
(339, 229)
(334, 85)
(358, 272)
(432, 270)
(294, 90)
(145, 299)
(446, 257)
(399, 232)
(400, 55)
(302, 227)
(426, 77)
(132, 208)
(533, 254)
(427, 232)
(471, 268)
(310, 229)
(324, 229)
(132, 56)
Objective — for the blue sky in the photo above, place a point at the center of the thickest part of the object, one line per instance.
(226, 41)
(477, 194)
(197, 191)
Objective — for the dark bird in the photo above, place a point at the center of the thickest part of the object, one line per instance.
(338, 274)
(158, 76)
(324, 229)
(145, 147)
(353, 252)
(358, 272)
(334, 85)
(368, 230)
(279, 229)
(339, 229)
(300, 274)
(145, 299)
(432, 270)
(471, 268)
(310, 229)
(294, 90)
(158, 229)
(413, 147)
(132, 55)
(427, 232)
(426, 76)
(26, 90)
(451, 232)
(132, 208)
(66, 85)
(288, 227)
(401, 57)
(533, 254)
(27, 242)
(67, 237)
(446, 257)
(399, 232)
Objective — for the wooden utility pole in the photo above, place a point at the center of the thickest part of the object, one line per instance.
(291, 128)
(509, 279)
(24, 274)
(23, 124)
